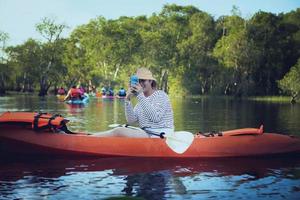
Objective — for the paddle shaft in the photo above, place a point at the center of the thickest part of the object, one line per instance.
(161, 135)
(174, 142)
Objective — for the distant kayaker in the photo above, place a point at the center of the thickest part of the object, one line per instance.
(153, 111)
(74, 93)
(103, 90)
(82, 90)
(61, 91)
(110, 92)
(122, 92)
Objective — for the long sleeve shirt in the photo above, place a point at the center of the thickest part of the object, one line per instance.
(154, 111)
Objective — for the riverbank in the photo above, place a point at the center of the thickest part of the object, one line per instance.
(277, 99)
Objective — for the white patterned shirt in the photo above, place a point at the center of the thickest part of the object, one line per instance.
(154, 111)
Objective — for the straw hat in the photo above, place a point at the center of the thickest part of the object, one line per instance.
(144, 73)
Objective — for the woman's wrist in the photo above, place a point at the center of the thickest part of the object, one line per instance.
(128, 97)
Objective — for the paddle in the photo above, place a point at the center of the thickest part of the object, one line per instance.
(178, 141)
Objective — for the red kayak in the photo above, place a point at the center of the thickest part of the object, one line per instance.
(25, 133)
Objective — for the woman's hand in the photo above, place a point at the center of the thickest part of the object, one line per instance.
(134, 90)
(138, 89)
(129, 94)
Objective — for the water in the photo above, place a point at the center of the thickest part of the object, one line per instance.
(247, 178)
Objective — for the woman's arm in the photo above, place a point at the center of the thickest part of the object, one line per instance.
(129, 113)
(156, 109)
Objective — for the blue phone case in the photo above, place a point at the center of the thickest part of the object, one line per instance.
(134, 80)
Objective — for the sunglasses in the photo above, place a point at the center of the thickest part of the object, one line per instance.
(142, 80)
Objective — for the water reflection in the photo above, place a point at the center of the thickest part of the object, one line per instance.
(147, 185)
(149, 178)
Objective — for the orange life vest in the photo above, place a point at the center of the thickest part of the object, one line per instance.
(75, 93)
(37, 121)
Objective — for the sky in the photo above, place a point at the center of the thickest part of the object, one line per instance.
(19, 17)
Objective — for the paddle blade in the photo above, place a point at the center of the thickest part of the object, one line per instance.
(180, 141)
(114, 125)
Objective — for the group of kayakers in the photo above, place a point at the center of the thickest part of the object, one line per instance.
(110, 92)
(78, 92)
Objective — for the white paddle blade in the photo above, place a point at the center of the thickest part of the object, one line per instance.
(114, 125)
(180, 141)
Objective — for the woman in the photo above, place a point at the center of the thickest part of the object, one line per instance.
(153, 112)
(73, 94)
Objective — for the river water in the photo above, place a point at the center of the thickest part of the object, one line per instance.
(102, 178)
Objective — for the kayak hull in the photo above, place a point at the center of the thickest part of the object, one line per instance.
(60, 97)
(79, 101)
(107, 97)
(20, 141)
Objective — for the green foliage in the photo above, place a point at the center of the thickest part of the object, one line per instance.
(26, 58)
(265, 31)
(195, 51)
(49, 29)
(51, 65)
(5, 69)
(290, 83)
(237, 51)
(188, 51)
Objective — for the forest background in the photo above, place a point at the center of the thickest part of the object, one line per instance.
(189, 52)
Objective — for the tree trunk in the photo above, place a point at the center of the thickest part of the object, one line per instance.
(55, 89)
(226, 91)
(203, 87)
(43, 87)
(294, 98)
(2, 85)
(116, 72)
(43, 92)
(23, 85)
(2, 90)
(164, 80)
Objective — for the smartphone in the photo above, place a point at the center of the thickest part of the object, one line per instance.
(134, 80)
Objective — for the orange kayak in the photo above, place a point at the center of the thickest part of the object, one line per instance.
(22, 139)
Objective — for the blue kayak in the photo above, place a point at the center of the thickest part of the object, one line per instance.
(80, 101)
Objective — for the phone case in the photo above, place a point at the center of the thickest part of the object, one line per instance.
(134, 80)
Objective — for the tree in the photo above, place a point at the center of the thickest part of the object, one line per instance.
(290, 83)
(195, 53)
(289, 26)
(265, 32)
(4, 68)
(26, 58)
(52, 55)
(186, 49)
(160, 37)
(237, 51)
